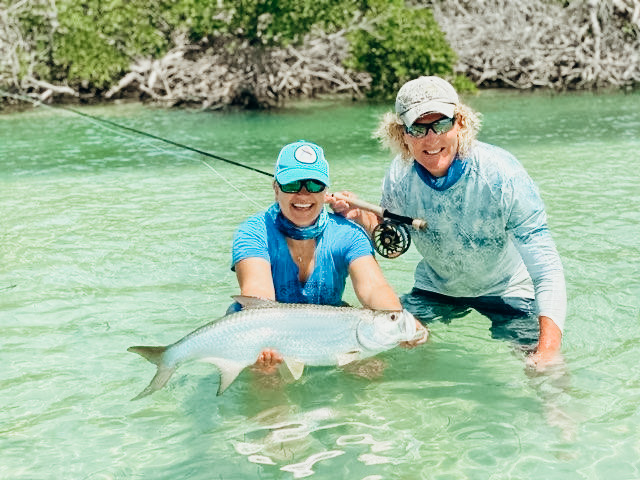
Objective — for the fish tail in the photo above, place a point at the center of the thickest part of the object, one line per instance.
(153, 354)
(164, 372)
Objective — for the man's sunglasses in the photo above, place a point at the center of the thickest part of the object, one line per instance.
(419, 130)
(312, 186)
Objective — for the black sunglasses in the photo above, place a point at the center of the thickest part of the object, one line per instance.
(419, 130)
(312, 186)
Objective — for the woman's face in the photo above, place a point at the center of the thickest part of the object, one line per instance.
(435, 152)
(302, 208)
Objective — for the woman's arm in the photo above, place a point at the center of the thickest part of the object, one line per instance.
(374, 292)
(370, 286)
(548, 350)
(254, 278)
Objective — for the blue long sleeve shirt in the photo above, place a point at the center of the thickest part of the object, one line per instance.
(487, 229)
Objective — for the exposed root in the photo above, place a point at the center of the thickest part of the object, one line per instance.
(539, 43)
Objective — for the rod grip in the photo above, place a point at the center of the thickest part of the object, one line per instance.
(416, 223)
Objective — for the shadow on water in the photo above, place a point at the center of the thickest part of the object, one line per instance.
(274, 424)
(265, 425)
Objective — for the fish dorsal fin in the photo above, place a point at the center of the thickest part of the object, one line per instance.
(295, 366)
(348, 357)
(254, 302)
(229, 370)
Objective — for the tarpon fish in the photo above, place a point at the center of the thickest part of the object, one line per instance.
(301, 333)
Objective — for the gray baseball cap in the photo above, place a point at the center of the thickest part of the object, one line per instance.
(424, 95)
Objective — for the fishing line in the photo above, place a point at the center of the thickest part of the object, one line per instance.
(391, 238)
(104, 123)
(135, 130)
(232, 185)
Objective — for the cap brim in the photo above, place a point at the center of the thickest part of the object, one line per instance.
(414, 113)
(293, 174)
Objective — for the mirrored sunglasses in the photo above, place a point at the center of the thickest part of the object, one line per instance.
(312, 186)
(419, 130)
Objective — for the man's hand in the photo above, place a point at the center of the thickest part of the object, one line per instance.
(547, 352)
(339, 203)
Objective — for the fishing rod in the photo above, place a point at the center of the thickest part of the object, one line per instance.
(391, 237)
(135, 130)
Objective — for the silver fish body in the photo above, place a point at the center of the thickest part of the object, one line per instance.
(302, 334)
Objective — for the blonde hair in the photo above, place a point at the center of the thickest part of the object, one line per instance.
(390, 132)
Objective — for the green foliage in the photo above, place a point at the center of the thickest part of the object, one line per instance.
(90, 44)
(463, 84)
(262, 22)
(96, 40)
(198, 18)
(400, 44)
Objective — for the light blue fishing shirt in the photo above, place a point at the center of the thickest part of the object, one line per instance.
(341, 242)
(487, 231)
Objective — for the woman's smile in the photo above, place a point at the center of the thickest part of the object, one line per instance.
(301, 208)
(302, 205)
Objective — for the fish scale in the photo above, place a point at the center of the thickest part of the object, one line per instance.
(302, 334)
(286, 330)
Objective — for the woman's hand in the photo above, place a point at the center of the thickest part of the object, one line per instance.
(268, 361)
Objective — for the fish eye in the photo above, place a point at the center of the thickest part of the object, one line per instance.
(394, 317)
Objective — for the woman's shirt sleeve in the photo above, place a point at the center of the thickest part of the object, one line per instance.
(250, 240)
(358, 244)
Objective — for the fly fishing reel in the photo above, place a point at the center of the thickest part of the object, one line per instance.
(391, 239)
(391, 236)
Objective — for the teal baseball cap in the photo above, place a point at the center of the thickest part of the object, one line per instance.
(301, 160)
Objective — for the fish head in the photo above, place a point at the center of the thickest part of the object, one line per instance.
(382, 330)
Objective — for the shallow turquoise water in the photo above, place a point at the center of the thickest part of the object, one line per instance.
(110, 240)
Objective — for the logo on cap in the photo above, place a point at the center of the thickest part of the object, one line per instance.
(305, 154)
(432, 91)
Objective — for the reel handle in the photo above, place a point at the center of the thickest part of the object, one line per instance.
(416, 223)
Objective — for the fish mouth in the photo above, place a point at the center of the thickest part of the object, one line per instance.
(411, 328)
(384, 333)
(419, 333)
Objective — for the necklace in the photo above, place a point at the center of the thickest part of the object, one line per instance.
(301, 253)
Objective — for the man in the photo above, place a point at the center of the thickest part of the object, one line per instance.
(487, 245)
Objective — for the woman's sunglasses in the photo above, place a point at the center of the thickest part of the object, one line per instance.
(312, 186)
(419, 130)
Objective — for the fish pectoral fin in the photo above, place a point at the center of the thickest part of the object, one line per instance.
(349, 357)
(295, 366)
(229, 370)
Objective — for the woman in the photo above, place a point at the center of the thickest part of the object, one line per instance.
(487, 246)
(296, 252)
